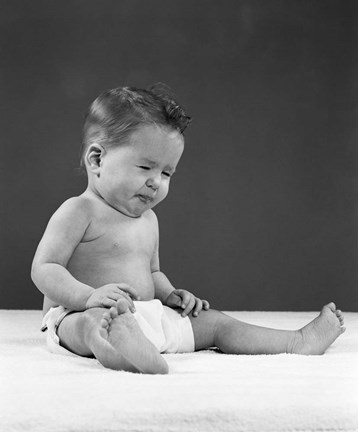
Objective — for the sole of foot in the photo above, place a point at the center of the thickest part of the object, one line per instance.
(319, 334)
(120, 344)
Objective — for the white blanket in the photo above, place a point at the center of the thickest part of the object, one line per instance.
(205, 391)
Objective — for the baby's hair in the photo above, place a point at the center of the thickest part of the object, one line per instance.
(118, 112)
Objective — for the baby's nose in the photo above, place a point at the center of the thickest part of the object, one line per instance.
(154, 182)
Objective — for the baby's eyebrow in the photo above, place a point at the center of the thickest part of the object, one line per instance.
(148, 161)
(170, 169)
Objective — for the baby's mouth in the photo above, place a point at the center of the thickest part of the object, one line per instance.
(146, 199)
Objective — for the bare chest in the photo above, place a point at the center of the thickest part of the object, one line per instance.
(115, 236)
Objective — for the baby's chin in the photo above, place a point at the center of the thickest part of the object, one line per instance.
(134, 207)
(134, 211)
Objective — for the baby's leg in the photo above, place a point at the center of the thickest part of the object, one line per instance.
(113, 337)
(213, 328)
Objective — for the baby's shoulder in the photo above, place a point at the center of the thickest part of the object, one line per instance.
(151, 222)
(77, 208)
(151, 217)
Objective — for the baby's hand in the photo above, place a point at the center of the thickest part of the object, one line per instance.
(107, 296)
(187, 301)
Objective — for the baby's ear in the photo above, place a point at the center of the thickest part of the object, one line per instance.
(94, 155)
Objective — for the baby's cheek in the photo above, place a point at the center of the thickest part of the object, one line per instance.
(162, 193)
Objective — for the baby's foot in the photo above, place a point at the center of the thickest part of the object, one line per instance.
(120, 344)
(319, 334)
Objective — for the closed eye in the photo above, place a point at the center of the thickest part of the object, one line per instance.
(166, 174)
(144, 167)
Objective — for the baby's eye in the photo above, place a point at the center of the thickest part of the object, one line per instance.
(166, 174)
(143, 167)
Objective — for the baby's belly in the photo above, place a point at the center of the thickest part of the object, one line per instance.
(136, 274)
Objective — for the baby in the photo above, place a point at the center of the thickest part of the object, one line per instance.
(98, 263)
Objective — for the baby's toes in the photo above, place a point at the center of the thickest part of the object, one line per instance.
(340, 316)
(122, 306)
(113, 312)
(106, 319)
(331, 306)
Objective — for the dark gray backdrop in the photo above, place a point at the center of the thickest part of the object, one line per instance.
(262, 213)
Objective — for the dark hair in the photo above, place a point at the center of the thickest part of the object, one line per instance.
(116, 113)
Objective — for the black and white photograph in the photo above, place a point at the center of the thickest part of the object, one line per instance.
(179, 216)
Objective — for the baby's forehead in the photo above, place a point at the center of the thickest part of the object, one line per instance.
(152, 153)
(148, 137)
(153, 144)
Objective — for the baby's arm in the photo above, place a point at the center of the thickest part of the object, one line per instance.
(169, 296)
(63, 234)
(177, 298)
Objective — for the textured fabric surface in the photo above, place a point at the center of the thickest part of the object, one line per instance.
(204, 391)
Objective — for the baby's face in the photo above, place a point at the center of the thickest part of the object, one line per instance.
(135, 177)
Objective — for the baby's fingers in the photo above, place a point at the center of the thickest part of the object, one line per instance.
(129, 300)
(198, 307)
(185, 297)
(206, 305)
(122, 294)
(108, 303)
(188, 307)
(130, 290)
(173, 300)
